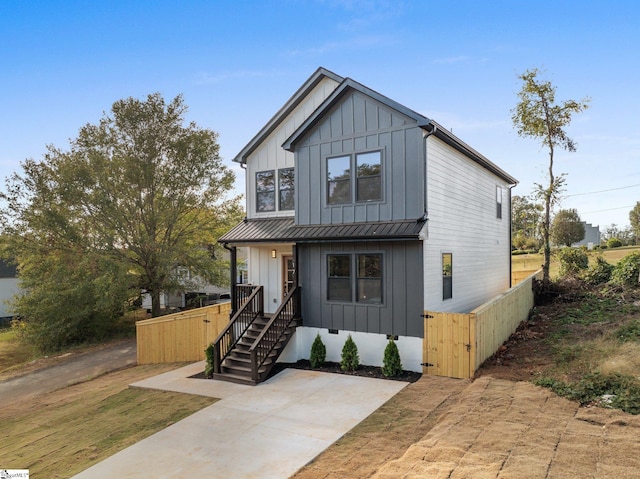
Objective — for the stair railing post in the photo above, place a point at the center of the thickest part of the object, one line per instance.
(216, 358)
(254, 366)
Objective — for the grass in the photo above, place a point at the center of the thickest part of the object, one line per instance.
(69, 430)
(594, 339)
(14, 354)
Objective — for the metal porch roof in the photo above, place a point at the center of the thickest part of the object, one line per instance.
(283, 230)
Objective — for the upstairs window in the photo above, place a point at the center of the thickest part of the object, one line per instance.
(369, 177)
(447, 276)
(286, 188)
(499, 202)
(364, 168)
(339, 180)
(265, 191)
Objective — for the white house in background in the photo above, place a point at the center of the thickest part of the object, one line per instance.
(375, 213)
(8, 289)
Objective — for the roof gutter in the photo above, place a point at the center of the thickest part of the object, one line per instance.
(430, 130)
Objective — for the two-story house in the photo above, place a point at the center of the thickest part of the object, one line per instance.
(373, 213)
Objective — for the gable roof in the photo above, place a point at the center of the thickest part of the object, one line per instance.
(284, 230)
(432, 127)
(287, 108)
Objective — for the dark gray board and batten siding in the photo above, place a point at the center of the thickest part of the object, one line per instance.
(399, 314)
(358, 124)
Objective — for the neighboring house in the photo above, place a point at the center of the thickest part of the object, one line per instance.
(198, 292)
(591, 236)
(376, 213)
(8, 289)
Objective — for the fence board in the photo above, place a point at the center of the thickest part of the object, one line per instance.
(456, 344)
(181, 336)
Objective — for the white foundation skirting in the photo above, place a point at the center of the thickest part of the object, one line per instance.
(370, 347)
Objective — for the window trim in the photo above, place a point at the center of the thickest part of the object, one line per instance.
(499, 198)
(353, 177)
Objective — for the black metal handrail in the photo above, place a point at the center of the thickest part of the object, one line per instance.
(274, 330)
(251, 308)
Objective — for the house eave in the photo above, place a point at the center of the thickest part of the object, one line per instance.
(286, 109)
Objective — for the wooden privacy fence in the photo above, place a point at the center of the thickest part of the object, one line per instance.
(519, 276)
(456, 344)
(181, 336)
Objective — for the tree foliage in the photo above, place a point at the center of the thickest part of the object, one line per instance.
(350, 359)
(567, 228)
(538, 116)
(318, 352)
(139, 194)
(634, 220)
(391, 363)
(526, 216)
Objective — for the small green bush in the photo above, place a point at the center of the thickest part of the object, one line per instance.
(391, 364)
(349, 359)
(629, 331)
(598, 273)
(614, 243)
(318, 352)
(626, 272)
(572, 261)
(208, 368)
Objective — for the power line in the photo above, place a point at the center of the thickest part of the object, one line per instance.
(609, 209)
(602, 191)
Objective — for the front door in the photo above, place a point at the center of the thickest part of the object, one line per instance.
(288, 273)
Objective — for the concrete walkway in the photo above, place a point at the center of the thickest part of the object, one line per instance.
(267, 431)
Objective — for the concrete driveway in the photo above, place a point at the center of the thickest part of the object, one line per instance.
(265, 431)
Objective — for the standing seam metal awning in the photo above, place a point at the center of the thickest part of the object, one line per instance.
(283, 230)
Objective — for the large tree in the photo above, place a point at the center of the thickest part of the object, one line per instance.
(526, 216)
(538, 116)
(567, 228)
(634, 219)
(141, 189)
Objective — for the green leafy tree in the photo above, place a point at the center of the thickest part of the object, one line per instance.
(526, 216)
(634, 219)
(538, 116)
(567, 228)
(140, 190)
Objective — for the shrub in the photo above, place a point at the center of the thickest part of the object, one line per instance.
(391, 364)
(318, 352)
(598, 273)
(208, 368)
(626, 272)
(614, 243)
(349, 359)
(572, 261)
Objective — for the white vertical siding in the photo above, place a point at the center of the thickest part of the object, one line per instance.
(267, 271)
(271, 156)
(461, 199)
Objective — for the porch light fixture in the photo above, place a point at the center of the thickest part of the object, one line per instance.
(273, 253)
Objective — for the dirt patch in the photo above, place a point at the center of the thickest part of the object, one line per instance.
(505, 429)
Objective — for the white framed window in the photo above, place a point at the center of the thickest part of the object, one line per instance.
(499, 202)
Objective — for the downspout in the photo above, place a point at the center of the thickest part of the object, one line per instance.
(431, 131)
(233, 273)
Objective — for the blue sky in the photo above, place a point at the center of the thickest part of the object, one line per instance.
(64, 63)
